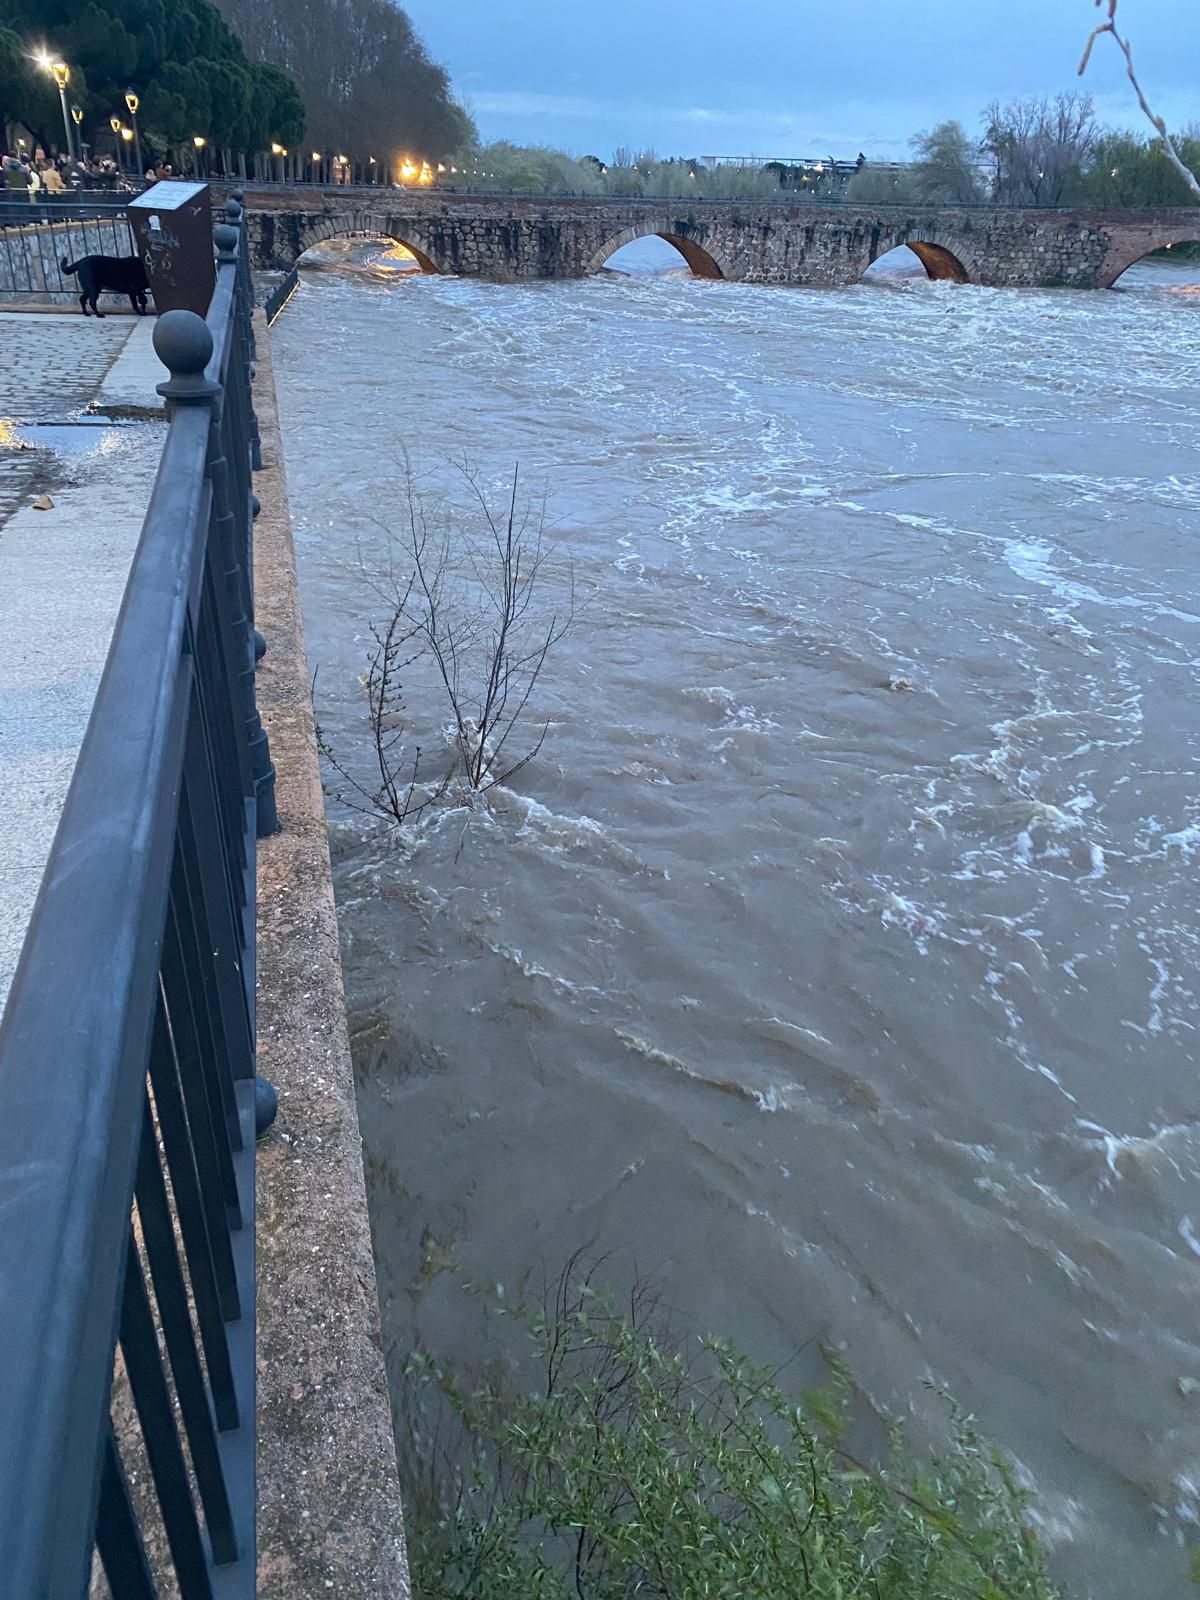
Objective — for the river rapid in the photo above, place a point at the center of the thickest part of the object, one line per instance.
(836, 962)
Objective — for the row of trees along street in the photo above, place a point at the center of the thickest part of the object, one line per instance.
(369, 87)
(188, 69)
(246, 76)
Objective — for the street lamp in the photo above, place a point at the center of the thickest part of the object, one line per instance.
(132, 101)
(61, 73)
(115, 124)
(199, 141)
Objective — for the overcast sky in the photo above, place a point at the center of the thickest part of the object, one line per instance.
(787, 77)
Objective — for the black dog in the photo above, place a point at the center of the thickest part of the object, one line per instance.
(114, 274)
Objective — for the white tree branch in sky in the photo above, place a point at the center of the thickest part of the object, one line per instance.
(1168, 144)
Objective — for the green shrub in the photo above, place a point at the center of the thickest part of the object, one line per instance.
(619, 1466)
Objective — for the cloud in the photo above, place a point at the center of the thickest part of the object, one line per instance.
(523, 103)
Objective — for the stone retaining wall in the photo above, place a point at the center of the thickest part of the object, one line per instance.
(329, 1515)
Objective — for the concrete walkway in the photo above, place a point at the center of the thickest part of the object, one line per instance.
(62, 570)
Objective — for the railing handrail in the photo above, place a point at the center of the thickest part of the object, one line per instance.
(134, 961)
(63, 1238)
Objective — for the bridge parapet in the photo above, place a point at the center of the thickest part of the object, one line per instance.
(779, 242)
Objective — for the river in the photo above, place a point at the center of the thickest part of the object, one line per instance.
(836, 962)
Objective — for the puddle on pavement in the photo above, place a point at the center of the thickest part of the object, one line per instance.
(40, 457)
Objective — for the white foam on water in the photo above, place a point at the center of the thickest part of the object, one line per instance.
(1032, 560)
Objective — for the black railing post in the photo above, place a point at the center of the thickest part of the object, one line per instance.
(230, 471)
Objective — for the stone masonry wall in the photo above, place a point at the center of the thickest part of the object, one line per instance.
(775, 242)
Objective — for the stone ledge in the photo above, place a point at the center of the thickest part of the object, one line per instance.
(329, 1513)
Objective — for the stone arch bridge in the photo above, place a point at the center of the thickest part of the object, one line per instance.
(508, 237)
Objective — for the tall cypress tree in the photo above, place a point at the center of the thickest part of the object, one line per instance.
(188, 69)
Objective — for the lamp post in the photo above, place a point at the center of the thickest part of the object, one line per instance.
(199, 141)
(132, 101)
(115, 124)
(316, 155)
(62, 76)
(77, 119)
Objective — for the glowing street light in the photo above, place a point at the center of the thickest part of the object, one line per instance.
(198, 143)
(132, 102)
(61, 74)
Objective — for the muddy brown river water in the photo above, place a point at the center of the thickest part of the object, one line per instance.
(836, 962)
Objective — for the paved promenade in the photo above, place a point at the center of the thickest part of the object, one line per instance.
(63, 569)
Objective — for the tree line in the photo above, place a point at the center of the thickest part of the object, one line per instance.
(1034, 152)
(1031, 152)
(369, 87)
(344, 76)
(188, 69)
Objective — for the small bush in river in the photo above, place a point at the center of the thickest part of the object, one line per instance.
(626, 1468)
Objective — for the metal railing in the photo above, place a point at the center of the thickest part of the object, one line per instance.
(127, 1052)
(280, 295)
(36, 239)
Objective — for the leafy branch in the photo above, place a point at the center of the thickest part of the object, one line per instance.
(614, 1459)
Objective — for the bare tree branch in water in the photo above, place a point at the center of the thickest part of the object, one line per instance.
(396, 797)
(472, 611)
(1110, 27)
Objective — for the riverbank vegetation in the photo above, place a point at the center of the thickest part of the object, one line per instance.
(614, 1459)
(1030, 152)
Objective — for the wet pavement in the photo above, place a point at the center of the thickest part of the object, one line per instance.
(74, 487)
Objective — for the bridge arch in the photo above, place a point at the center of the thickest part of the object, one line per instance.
(703, 259)
(939, 260)
(1128, 253)
(364, 225)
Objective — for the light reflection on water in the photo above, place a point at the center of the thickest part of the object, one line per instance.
(837, 962)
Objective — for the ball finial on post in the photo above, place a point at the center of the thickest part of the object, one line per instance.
(226, 239)
(184, 345)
